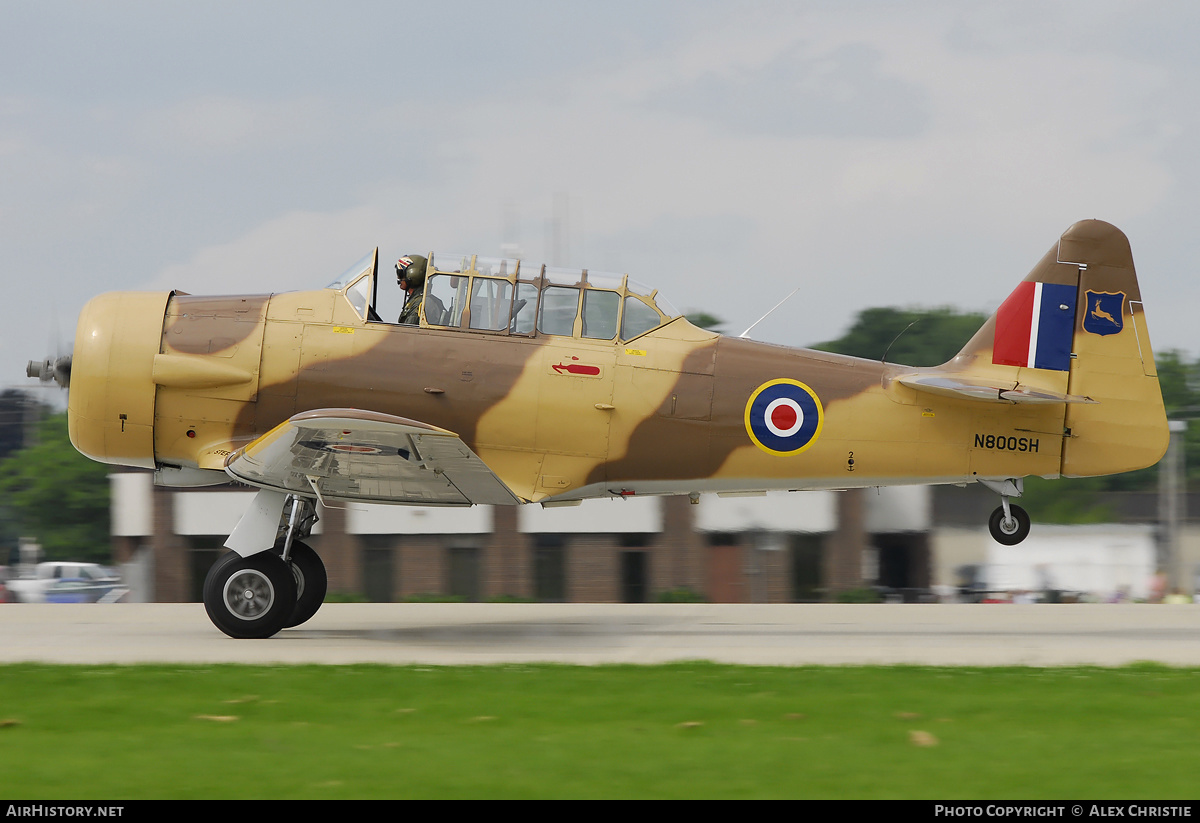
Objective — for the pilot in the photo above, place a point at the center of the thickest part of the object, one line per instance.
(410, 276)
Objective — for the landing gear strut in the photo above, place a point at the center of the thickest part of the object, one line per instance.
(255, 596)
(1009, 524)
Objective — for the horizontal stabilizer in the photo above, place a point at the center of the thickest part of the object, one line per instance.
(988, 391)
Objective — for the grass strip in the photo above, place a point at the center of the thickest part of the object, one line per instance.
(690, 730)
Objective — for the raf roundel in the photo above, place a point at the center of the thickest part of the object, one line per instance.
(784, 416)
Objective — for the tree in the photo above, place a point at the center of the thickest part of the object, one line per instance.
(58, 496)
(914, 336)
(705, 320)
(17, 410)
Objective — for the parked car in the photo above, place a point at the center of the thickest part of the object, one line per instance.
(57, 581)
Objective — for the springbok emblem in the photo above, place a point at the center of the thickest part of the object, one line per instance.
(1105, 312)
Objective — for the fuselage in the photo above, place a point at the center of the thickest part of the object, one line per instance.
(570, 384)
(176, 381)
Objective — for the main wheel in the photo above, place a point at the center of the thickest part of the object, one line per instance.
(250, 596)
(311, 582)
(1009, 532)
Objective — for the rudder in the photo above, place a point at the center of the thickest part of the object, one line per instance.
(1112, 360)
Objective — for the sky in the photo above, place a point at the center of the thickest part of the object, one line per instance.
(869, 153)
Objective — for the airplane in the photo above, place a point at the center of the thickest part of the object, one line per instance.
(528, 384)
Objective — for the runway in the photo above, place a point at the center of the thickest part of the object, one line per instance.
(588, 634)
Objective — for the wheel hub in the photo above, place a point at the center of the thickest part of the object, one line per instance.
(249, 594)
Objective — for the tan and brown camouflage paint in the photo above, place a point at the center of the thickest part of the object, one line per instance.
(662, 413)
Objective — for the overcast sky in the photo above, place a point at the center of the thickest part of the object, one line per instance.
(872, 153)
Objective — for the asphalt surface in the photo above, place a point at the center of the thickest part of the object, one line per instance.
(587, 634)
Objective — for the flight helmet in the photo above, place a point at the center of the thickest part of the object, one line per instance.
(410, 271)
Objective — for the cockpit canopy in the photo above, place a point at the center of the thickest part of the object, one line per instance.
(505, 296)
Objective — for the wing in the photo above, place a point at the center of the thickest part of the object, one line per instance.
(988, 391)
(350, 454)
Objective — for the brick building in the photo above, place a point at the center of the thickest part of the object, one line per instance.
(775, 548)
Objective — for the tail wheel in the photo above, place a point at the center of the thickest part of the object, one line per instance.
(311, 582)
(251, 596)
(1012, 531)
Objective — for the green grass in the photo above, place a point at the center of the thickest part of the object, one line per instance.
(524, 731)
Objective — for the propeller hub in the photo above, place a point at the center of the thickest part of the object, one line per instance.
(58, 370)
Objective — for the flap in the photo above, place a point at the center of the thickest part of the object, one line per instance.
(351, 454)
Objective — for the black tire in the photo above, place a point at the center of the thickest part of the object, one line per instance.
(250, 597)
(1012, 533)
(311, 582)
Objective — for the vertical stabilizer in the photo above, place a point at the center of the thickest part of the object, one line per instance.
(1075, 328)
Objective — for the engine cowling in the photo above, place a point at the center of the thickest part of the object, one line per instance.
(110, 408)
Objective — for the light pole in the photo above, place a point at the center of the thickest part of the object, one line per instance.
(1171, 488)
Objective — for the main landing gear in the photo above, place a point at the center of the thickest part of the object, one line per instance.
(1009, 524)
(259, 594)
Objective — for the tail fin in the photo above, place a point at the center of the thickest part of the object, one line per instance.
(1074, 332)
